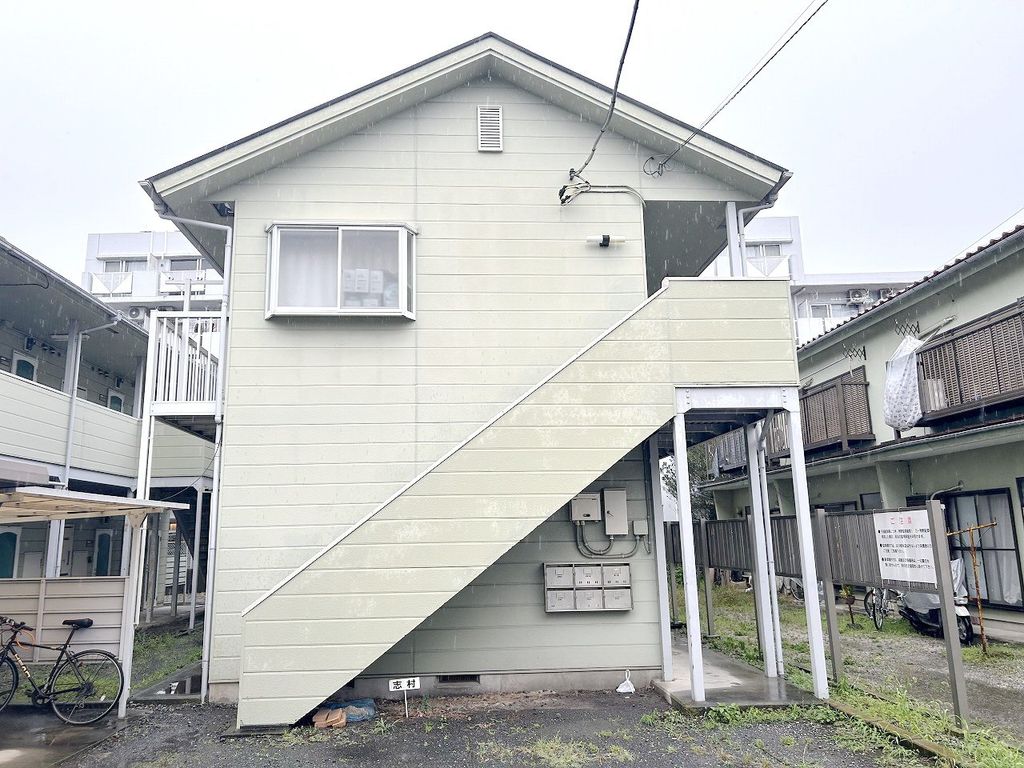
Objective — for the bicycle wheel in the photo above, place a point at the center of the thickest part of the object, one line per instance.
(869, 602)
(8, 681)
(86, 687)
(881, 609)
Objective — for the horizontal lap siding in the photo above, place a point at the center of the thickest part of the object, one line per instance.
(650, 353)
(34, 421)
(98, 598)
(326, 418)
(498, 623)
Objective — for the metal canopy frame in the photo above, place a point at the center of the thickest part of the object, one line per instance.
(702, 412)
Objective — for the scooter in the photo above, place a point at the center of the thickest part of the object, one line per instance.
(923, 610)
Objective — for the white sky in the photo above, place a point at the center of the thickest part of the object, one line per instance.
(900, 120)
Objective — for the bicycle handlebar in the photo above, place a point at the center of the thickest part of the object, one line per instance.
(17, 626)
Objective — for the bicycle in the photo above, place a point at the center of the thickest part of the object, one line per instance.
(878, 604)
(81, 688)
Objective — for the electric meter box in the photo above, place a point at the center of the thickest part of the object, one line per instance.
(616, 520)
(585, 507)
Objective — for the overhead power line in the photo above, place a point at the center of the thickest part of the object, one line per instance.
(573, 173)
(655, 167)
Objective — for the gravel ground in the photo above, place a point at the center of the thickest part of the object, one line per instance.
(548, 730)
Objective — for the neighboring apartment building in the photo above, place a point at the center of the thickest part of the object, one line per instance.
(137, 272)
(968, 447)
(408, 413)
(56, 341)
(821, 301)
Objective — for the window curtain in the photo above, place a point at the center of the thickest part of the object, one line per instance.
(308, 268)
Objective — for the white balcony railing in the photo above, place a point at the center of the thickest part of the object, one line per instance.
(184, 362)
(174, 281)
(111, 283)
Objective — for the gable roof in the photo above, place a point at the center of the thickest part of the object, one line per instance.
(915, 287)
(179, 188)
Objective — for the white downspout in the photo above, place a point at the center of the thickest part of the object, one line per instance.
(741, 228)
(222, 353)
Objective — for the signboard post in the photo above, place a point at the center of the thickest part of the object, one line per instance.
(949, 630)
(405, 684)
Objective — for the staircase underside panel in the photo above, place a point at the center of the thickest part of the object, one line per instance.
(339, 613)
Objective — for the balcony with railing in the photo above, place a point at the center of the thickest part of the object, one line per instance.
(183, 366)
(152, 283)
(834, 415)
(976, 368)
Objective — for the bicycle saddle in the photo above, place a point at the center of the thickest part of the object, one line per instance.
(78, 623)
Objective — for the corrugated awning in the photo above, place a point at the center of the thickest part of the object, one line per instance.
(34, 504)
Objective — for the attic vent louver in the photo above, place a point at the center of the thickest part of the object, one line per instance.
(489, 128)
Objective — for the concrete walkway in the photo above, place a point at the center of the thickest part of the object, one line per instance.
(32, 737)
(727, 681)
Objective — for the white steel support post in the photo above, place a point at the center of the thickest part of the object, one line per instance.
(196, 539)
(142, 479)
(132, 587)
(769, 542)
(805, 533)
(660, 559)
(689, 555)
(759, 555)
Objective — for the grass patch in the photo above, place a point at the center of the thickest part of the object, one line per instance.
(552, 753)
(162, 651)
(928, 721)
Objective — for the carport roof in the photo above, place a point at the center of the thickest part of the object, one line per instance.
(34, 504)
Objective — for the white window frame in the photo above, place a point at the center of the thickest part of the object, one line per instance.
(114, 393)
(18, 356)
(405, 261)
(812, 305)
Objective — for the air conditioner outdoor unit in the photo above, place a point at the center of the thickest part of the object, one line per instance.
(136, 313)
(858, 296)
(888, 293)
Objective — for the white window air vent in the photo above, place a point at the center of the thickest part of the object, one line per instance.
(489, 128)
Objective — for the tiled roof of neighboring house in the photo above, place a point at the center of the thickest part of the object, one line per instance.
(913, 286)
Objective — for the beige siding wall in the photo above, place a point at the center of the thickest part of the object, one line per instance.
(498, 623)
(441, 533)
(179, 454)
(33, 426)
(45, 603)
(327, 418)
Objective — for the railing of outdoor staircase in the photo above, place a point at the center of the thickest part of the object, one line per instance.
(184, 358)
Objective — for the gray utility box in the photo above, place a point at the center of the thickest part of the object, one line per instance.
(587, 587)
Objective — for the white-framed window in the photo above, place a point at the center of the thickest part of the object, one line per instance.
(341, 269)
(821, 311)
(125, 265)
(25, 367)
(115, 400)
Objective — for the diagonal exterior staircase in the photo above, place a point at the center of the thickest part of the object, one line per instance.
(334, 616)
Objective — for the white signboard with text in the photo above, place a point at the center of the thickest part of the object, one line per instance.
(904, 542)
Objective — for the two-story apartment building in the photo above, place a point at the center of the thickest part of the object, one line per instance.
(447, 358)
(70, 376)
(967, 449)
